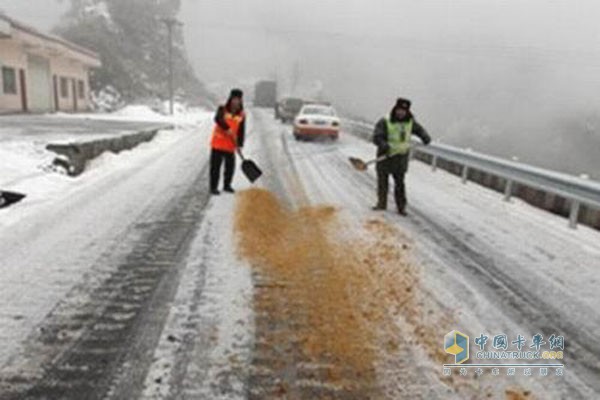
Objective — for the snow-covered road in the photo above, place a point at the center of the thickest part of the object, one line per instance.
(67, 249)
(132, 283)
(491, 266)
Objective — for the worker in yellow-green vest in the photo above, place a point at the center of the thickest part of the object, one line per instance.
(392, 137)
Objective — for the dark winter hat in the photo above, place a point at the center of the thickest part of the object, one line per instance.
(236, 93)
(403, 104)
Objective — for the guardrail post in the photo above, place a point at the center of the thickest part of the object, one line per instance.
(508, 190)
(514, 175)
(574, 214)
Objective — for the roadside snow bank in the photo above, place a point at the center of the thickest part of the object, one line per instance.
(183, 116)
(26, 168)
(32, 175)
(21, 160)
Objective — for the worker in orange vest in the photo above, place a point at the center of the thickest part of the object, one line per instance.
(228, 134)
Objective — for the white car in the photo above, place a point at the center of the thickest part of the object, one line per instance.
(316, 121)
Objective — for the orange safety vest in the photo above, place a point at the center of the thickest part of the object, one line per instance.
(221, 140)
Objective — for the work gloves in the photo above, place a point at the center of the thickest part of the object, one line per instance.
(384, 148)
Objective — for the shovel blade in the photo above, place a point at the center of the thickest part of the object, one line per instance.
(358, 164)
(9, 198)
(251, 170)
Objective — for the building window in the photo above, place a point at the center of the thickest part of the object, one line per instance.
(81, 89)
(9, 80)
(64, 87)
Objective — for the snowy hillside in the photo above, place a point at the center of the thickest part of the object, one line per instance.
(132, 41)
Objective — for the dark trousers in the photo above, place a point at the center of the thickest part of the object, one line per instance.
(216, 159)
(395, 166)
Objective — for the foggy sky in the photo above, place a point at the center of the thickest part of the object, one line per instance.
(510, 77)
(504, 73)
(42, 14)
(437, 50)
(252, 38)
(545, 26)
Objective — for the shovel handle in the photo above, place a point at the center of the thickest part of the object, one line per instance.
(378, 159)
(239, 151)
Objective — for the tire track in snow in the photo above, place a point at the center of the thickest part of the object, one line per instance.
(280, 367)
(525, 307)
(473, 258)
(204, 349)
(408, 377)
(487, 272)
(105, 343)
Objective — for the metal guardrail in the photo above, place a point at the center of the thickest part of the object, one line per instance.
(576, 190)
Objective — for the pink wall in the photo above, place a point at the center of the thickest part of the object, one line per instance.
(64, 61)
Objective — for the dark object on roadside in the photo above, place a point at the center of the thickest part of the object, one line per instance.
(172, 339)
(265, 94)
(287, 109)
(249, 168)
(317, 103)
(73, 157)
(63, 163)
(10, 198)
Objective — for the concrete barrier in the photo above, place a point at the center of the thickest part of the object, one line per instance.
(75, 155)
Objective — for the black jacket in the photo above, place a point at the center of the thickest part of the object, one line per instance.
(380, 135)
(220, 120)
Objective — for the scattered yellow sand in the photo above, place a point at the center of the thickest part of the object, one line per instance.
(294, 249)
(518, 394)
(343, 294)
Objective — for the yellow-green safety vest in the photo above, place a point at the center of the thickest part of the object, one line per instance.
(398, 136)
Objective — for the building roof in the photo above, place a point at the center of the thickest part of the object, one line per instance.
(53, 39)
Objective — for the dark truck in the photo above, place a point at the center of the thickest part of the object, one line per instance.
(265, 94)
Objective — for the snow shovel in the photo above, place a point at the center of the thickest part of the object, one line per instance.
(363, 165)
(9, 198)
(249, 168)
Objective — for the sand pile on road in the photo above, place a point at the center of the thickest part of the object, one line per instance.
(342, 294)
(293, 249)
(347, 303)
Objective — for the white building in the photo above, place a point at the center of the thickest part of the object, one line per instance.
(40, 72)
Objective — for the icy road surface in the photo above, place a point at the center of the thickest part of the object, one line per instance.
(138, 285)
